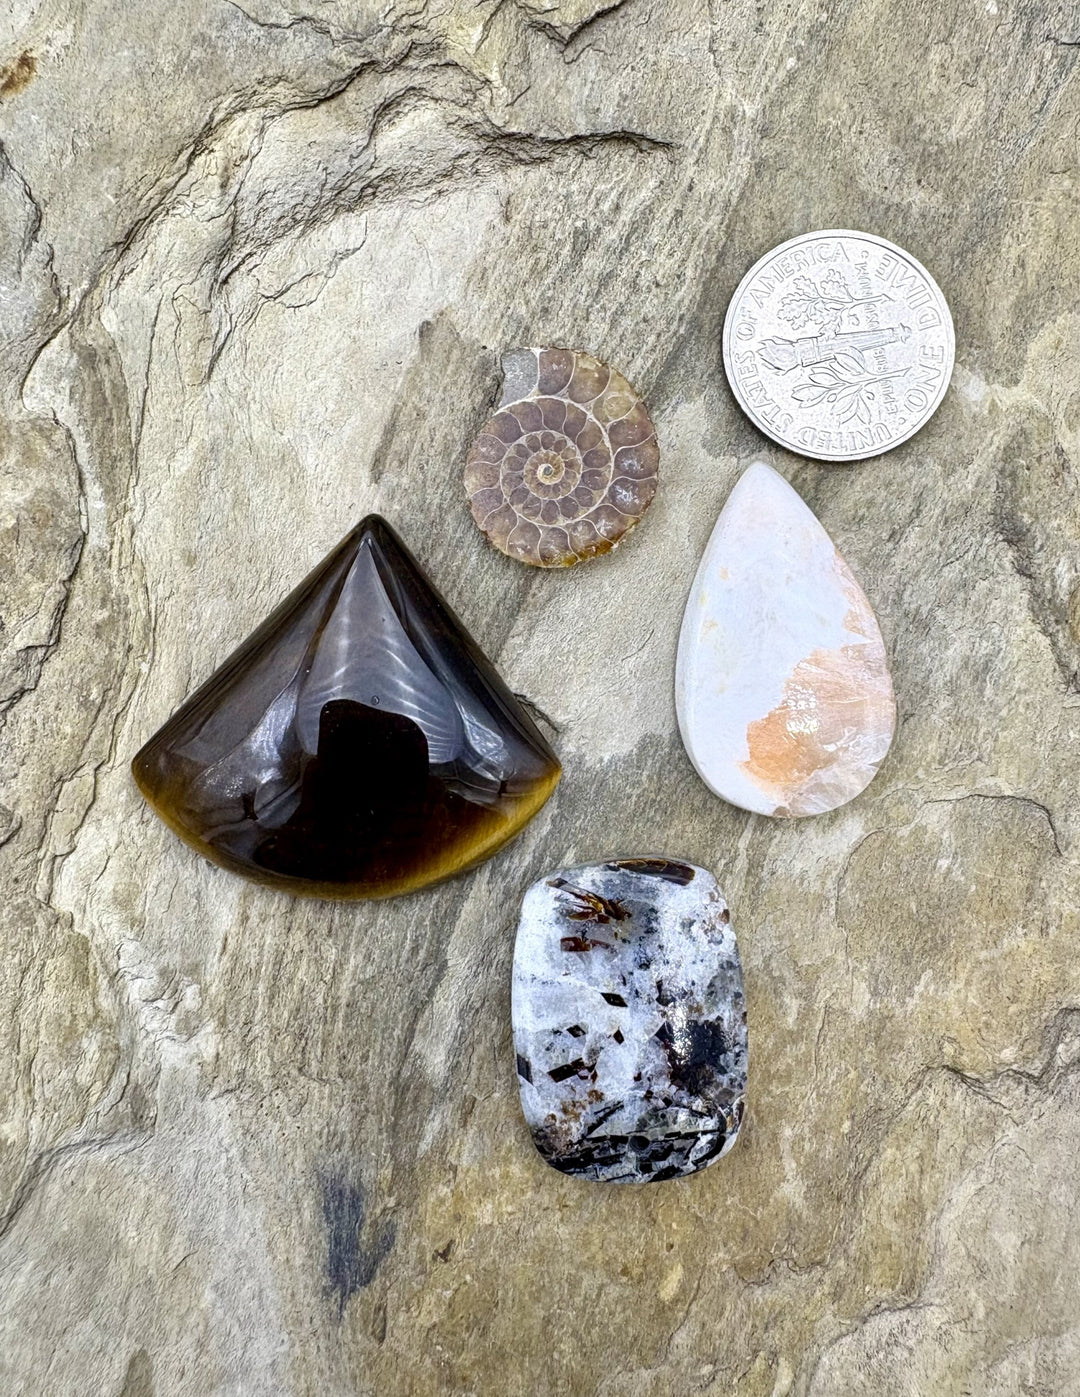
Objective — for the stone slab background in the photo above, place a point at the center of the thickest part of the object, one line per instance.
(257, 261)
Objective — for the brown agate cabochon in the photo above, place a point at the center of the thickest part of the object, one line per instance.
(358, 744)
(567, 465)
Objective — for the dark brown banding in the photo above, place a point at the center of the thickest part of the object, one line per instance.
(344, 751)
(673, 872)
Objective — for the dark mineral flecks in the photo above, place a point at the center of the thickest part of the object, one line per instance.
(654, 1085)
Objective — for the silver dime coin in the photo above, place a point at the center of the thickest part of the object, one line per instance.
(838, 345)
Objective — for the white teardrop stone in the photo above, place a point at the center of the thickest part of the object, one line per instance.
(782, 684)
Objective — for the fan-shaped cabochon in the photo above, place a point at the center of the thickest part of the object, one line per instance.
(568, 463)
(783, 692)
(358, 744)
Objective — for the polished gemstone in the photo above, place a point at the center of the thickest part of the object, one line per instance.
(629, 1020)
(782, 683)
(358, 744)
(568, 464)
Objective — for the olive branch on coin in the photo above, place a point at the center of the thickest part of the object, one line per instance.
(845, 383)
(823, 303)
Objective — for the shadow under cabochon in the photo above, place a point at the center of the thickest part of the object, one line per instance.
(358, 744)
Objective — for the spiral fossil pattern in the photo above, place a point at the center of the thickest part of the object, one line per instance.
(568, 463)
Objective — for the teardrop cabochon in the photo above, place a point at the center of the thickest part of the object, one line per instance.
(782, 685)
(359, 744)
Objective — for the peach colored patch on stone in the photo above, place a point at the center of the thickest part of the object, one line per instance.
(822, 744)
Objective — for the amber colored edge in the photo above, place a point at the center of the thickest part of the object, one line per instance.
(504, 829)
(503, 832)
(599, 551)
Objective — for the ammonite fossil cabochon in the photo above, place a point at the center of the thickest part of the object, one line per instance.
(568, 463)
